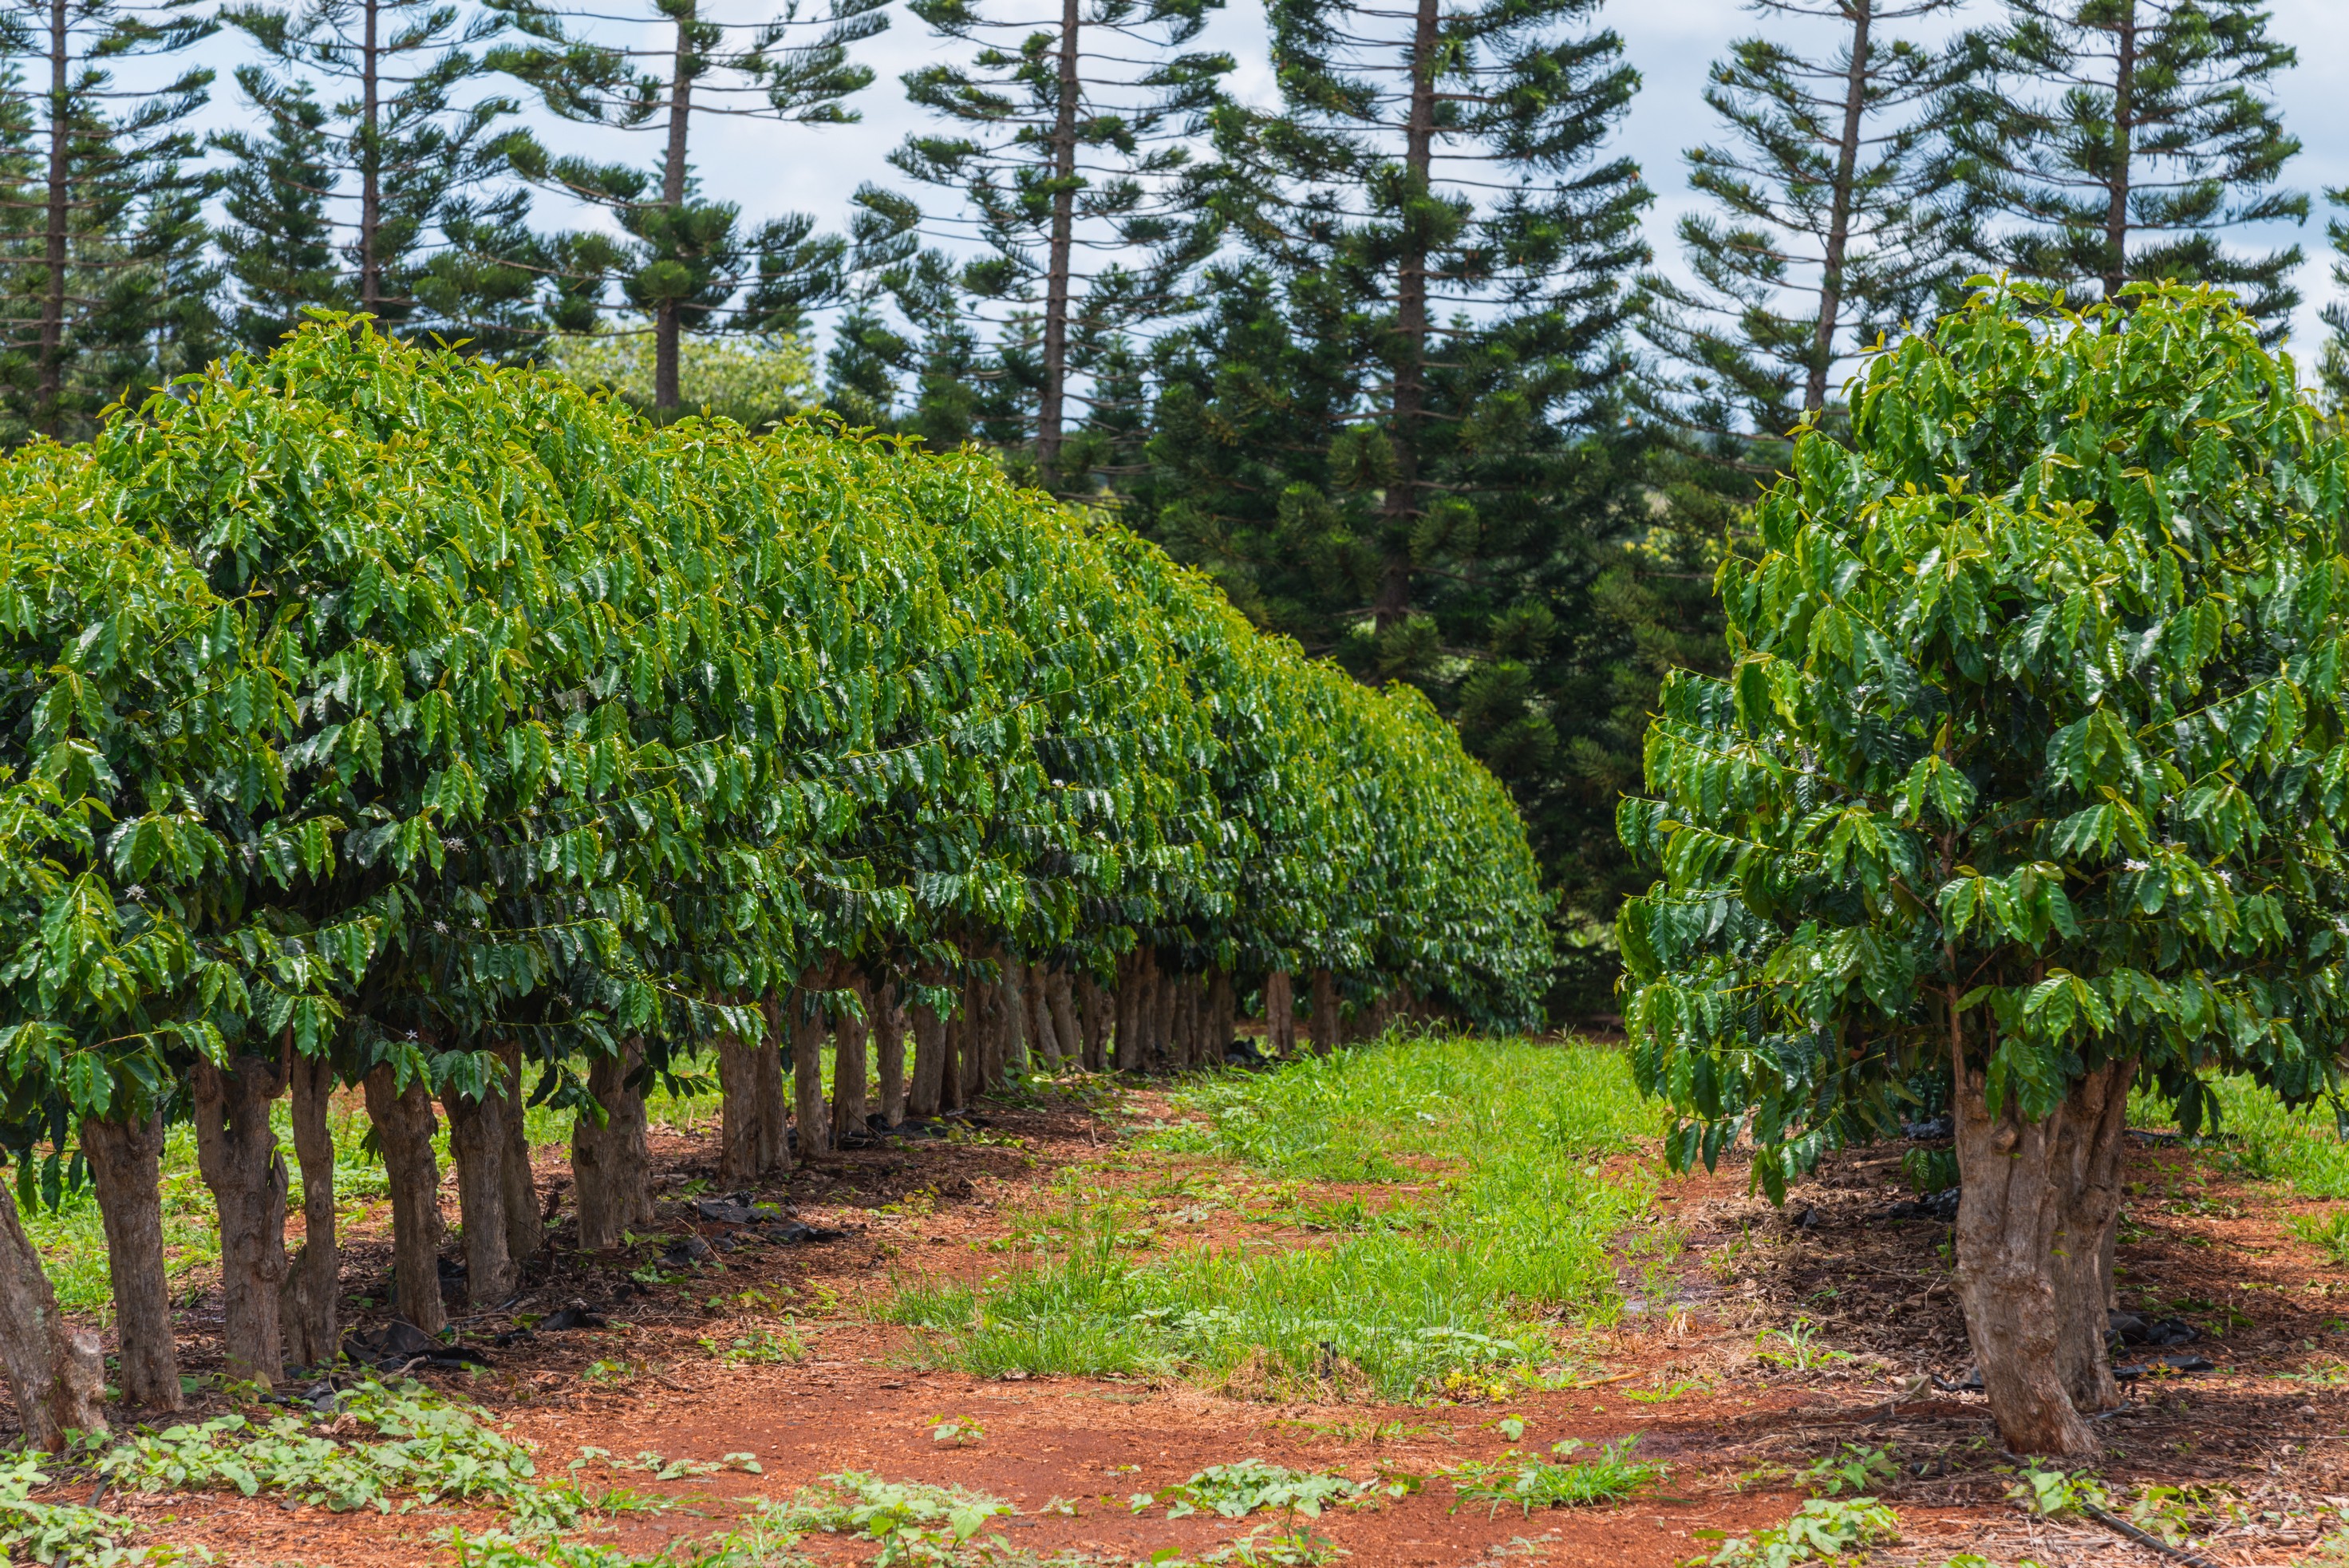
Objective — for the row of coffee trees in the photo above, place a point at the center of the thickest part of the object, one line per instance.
(373, 718)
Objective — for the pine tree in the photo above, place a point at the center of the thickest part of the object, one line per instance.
(1072, 130)
(2333, 354)
(279, 238)
(1397, 431)
(1827, 231)
(691, 263)
(2102, 142)
(404, 165)
(105, 296)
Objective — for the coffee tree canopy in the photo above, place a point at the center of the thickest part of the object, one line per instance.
(2027, 768)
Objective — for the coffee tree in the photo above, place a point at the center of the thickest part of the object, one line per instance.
(380, 717)
(2026, 766)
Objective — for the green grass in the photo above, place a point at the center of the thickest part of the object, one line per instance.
(2268, 1141)
(1521, 1481)
(1516, 1231)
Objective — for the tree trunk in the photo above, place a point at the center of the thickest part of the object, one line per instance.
(237, 1153)
(1279, 1014)
(667, 326)
(1096, 1022)
(55, 1371)
(403, 1130)
(51, 370)
(848, 1067)
(126, 1166)
(767, 1088)
(308, 1312)
(982, 1049)
(1166, 1013)
(809, 1026)
(1324, 1023)
(371, 160)
(1014, 1005)
(995, 1008)
(1838, 237)
(889, 1040)
(1129, 1000)
(1065, 1028)
(927, 1091)
(2118, 182)
(738, 1140)
(954, 1054)
(1408, 397)
(525, 1231)
(1057, 259)
(477, 1142)
(610, 1171)
(2035, 1211)
(1223, 1012)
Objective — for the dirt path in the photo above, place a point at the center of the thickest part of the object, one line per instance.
(1775, 1339)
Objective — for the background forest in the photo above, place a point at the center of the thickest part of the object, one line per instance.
(1397, 350)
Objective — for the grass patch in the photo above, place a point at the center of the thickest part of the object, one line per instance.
(2266, 1139)
(1518, 1480)
(1453, 1290)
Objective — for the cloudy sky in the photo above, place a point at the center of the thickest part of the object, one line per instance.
(770, 169)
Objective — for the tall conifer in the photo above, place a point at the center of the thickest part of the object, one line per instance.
(1072, 122)
(400, 163)
(1396, 432)
(2106, 141)
(691, 263)
(1825, 231)
(107, 288)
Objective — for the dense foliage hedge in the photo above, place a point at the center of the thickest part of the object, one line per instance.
(406, 704)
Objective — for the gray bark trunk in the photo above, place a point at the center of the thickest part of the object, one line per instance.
(236, 1154)
(1324, 1023)
(928, 1090)
(309, 1311)
(767, 1089)
(809, 1026)
(55, 1371)
(2036, 1212)
(477, 1142)
(525, 1231)
(740, 1140)
(1279, 1014)
(849, 1067)
(889, 1043)
(126, 1166)
(611, 1170)
(1094, 1019)
(403, 1130)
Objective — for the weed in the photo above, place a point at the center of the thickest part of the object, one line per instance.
(63, 1534)
(913, 1521)
(1851, 1469)
(2051, 1494)
(425, 1446)
(959, 1430)
(611, 1373)
(1796, 1348)
(760, 1347)
(1530, 1483)
(1359, 1431)
(1823, 1529)
(1670, 1391)
(2327, 1232)
(1252, 1486)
